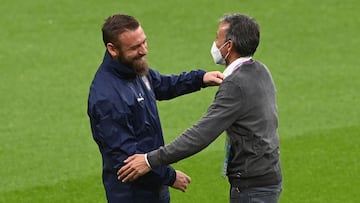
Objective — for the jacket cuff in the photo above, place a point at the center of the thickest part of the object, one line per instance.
(147, 162)
(201, 75)
(151, 158)
(172, 177)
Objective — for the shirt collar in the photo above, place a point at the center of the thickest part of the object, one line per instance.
(235, 64)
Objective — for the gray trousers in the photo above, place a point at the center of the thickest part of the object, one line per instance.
(267, 194)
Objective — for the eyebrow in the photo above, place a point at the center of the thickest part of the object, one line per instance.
(138, 45)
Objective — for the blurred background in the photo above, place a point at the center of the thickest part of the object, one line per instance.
(50, 51)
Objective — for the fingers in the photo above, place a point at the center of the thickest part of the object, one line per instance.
(122, 170)
(218, 81)
(130, 177)
(186, 183)
(135, 166)
(213, 78)
(220, 75)
(128, 174)
(130, 158)
(188, 179)
(124, 173)
(185, 178)
(184, 188)
(217, 78)
(182, 181)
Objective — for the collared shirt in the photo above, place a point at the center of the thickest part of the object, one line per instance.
(235, 64)
(228, 71)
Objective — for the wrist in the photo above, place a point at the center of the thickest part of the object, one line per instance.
(146, 160)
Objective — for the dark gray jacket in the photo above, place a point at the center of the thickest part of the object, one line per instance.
(245, 107)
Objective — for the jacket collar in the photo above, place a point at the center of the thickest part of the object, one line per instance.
(117, 68)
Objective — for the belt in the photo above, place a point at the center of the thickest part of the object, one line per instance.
(273, 178)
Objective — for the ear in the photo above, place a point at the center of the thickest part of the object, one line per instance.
(231, 46)
(232, 49)
(114, 52)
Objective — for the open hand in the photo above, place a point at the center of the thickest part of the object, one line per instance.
(135, 167)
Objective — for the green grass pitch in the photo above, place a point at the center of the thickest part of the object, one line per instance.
(50, 50)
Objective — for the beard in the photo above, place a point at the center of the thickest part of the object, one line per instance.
(138, 64)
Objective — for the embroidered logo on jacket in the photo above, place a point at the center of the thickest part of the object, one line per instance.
(141, 98)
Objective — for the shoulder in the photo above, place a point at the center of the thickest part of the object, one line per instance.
(102, 84)
(254, 67)
(108, 88)
(250, 72)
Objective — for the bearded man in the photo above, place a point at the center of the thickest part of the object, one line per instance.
(123, 111)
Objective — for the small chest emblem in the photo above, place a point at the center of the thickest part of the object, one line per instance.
(140, 98)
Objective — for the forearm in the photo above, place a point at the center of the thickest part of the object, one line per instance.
(170, 86)
(175, 151)
(220, 115)
(189, 143)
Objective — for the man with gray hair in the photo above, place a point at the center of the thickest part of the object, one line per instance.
(245, 107)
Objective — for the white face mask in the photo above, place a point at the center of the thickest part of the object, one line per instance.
(216, 54)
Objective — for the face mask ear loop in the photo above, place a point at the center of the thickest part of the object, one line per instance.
(223, 45)
(228, 51)
(227, 55)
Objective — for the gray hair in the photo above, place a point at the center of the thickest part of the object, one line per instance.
(243, 31)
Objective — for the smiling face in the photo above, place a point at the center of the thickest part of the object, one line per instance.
(131, 50)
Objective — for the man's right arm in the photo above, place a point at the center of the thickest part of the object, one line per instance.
(219, 117)
(221, 114)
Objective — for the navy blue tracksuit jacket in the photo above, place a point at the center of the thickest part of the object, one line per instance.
(124, 121)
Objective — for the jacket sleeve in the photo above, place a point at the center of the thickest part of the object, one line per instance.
(170, 86)
(114, 134)
(220, 115)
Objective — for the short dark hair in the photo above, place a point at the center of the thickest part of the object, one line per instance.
(117, 24)
(244, 31)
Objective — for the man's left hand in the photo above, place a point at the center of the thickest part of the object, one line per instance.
(213, 78)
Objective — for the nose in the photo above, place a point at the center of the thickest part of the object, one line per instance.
(143, 49)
